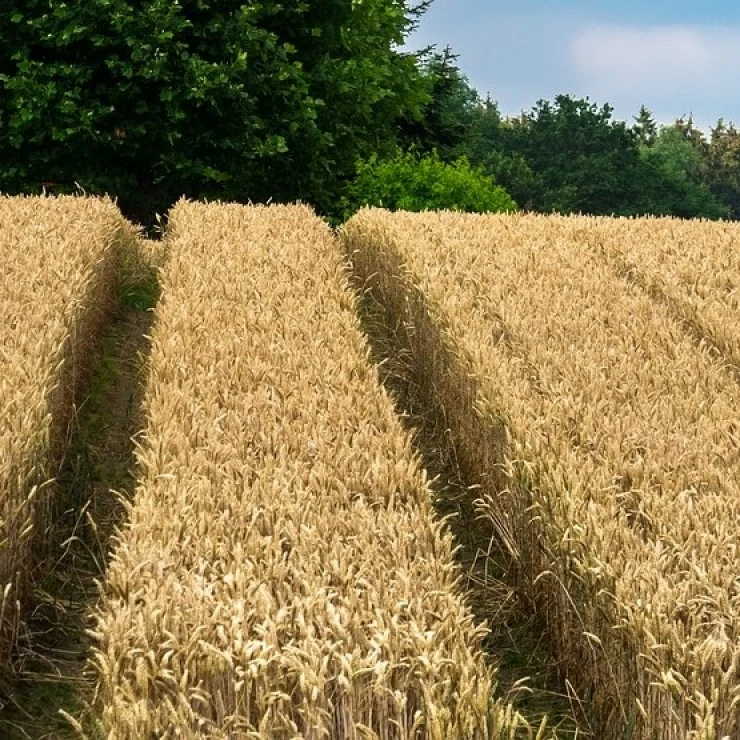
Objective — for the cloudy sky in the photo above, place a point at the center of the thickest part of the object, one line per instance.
(676, 57)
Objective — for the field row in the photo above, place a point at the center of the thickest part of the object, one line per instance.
(59, 262)
(603, 436)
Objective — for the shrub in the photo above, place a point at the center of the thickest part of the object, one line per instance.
(412, 183)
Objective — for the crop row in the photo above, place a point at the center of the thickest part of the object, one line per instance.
(603, 437)
(281, 573)
(59, 261)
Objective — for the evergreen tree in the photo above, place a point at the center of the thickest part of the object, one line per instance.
(723, 166)
(692, 134)
(645, 127)
(445, 123)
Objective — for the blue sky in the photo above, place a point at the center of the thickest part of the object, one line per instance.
(676, 57)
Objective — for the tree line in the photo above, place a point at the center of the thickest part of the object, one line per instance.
(149, 100)
(570, 155)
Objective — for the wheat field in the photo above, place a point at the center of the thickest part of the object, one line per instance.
(601, 426)
(281, 573)
(692, 267)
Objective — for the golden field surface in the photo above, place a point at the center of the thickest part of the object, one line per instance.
(585, 369)
(281, 573)
(694, 268)
(58, 259)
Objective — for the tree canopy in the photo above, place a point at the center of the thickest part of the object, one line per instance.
(447, 115)
(410, 182)
(672, 178)
(151, 99)
(585, 161)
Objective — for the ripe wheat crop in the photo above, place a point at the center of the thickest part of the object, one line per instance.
(281, 574)
(57, 280)
(603, 435)
(691, 266)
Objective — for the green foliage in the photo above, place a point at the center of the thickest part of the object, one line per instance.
(447, 117)
(722, 167)
(645, 128)
(676, 153)
(412, 183)
(671, 181)
(570, 156)
(489, 147)
(584, 161)
(140, 291)
(151, 99)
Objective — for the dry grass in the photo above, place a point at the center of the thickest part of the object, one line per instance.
(281, 574)
(58, 279)
(603, 437)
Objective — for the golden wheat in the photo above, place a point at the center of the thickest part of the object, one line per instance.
(693, 267)
(281, 574)
(603, 435)
(59, 261)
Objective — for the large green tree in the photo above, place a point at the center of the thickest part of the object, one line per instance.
(583, 159)
(671, 180)
(150, 99)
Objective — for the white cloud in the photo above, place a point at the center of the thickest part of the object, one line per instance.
(662, 66)
(642, 57)
(520, 55)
